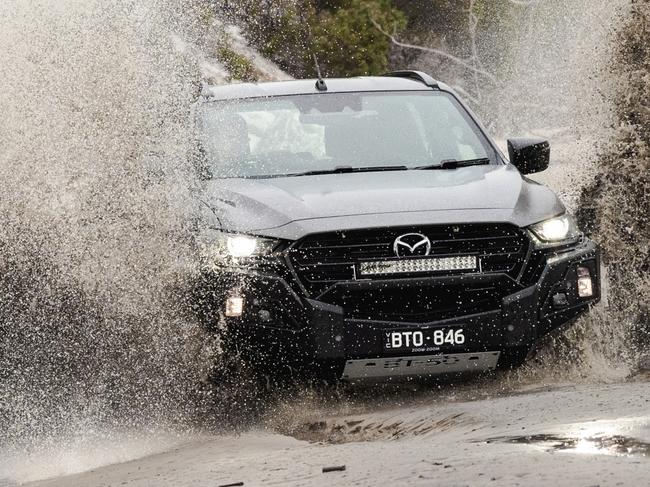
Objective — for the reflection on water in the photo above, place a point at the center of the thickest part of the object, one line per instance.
(603, 445)
(599, 438)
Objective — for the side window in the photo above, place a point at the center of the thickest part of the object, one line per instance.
(467, 143)
(449, 132)
(399, 137)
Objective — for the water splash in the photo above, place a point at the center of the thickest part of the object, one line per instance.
(559, 84)
(96, 196)
(96, 191)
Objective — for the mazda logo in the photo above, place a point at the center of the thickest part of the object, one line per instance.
(412, 244)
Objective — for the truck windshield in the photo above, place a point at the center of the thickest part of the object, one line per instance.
(291, 135)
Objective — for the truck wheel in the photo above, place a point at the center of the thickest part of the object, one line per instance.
(236, 393)
(513, 358)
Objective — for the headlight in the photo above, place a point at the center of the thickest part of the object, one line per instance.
(241, 245)
(216, 245)
(558, 230)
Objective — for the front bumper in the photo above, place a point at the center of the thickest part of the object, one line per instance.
(282, 328)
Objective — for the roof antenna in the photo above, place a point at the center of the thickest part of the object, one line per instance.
(320, 84)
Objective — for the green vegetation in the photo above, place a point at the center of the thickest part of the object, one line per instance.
(349, 43)
(340, 32)
(344, 35)
(240, 67)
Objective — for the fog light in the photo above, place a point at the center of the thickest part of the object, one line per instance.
(234, 306)
(585, 285)
(265, 315)
(560, 300)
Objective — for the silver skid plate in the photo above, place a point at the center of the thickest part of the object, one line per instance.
(420, 365)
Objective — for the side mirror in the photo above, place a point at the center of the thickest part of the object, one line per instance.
(529, 155)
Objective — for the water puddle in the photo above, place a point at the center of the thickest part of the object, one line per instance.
(602, 445)
(620, 438)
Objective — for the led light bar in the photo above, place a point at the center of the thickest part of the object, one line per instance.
(410, 266)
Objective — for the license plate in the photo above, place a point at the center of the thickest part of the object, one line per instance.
(423, 340)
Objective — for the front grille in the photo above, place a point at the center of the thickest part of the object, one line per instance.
(323, 260)
(419, 303)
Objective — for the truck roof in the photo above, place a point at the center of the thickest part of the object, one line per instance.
(400, 81)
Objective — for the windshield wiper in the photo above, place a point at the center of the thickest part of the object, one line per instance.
(346, 169)
(453, 164)
(446, 164)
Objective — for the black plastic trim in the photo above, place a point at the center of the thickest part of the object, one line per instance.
(415, 75)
